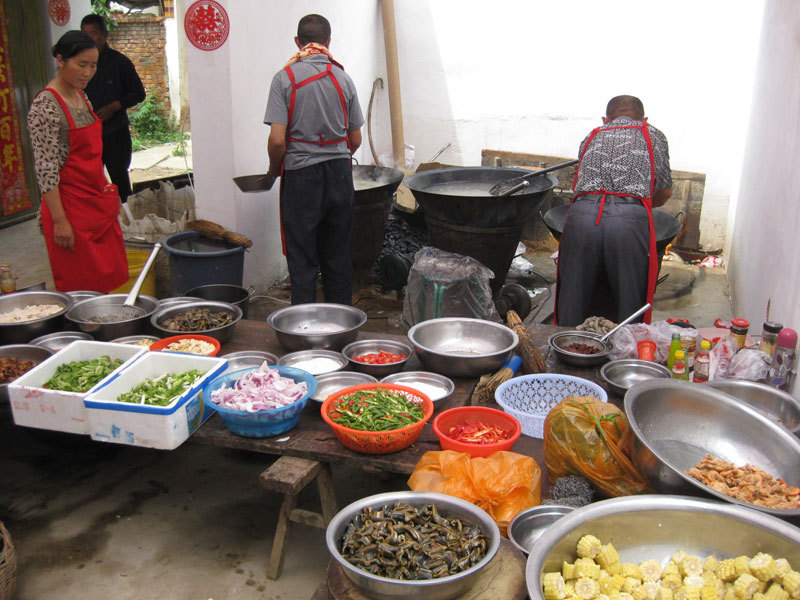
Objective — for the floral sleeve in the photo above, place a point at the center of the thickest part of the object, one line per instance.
(44, 127)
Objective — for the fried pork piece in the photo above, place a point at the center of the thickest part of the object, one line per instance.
(11, 368)
(747, 483)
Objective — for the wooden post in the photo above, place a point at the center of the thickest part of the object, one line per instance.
(393, 76)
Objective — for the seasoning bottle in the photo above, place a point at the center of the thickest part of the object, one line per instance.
(674, 346)
(679, 366)
(7, 283)
(702, 363)
(769, 336)
(689, 346)
(780, 373)
(739, 329)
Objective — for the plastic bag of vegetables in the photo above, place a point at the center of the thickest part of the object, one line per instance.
(503, 484)
(584, 436)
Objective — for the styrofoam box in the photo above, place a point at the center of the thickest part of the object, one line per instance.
(162, 427)
(35, 406)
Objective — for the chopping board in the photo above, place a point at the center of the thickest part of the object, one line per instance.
(502, 579)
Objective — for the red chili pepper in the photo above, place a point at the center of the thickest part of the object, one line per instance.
(478, 433)
(380, 358)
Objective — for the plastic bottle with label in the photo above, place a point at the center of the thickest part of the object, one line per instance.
(739, 328)
(781, 372)
(769, 336)
(679, 370)
(702, 363)
(674, 346)
(7, 283)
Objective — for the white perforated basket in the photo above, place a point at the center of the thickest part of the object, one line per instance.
(530, 397)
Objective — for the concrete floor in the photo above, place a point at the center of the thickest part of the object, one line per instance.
(96, 521)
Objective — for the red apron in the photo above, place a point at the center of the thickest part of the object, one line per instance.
(91, 205)
(321, 141)
(647, 202)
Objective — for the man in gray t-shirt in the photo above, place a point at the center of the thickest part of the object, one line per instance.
(315, 125)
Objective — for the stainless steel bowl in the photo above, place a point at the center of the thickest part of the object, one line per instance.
(444, 385)
(360, 347)
(302, 360)
(443, 588)
(80, 316)
(318, 325)
(249, 358)
(775, 403)
(23, 332)
(79, 295)
(175, 300)
(461, 347)
(530, 524)
(558, 341)
(222, 334)
(35, 354)
(620, 375)
(677, 423)
(134, 340)
(655, 527)
(330, 383)
(60, 339)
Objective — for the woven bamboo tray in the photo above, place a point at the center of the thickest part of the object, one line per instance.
(8, 565)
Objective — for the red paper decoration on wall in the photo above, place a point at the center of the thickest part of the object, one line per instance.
(206, 24)
(59, 11)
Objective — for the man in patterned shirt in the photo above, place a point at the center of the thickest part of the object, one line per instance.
(623, 173)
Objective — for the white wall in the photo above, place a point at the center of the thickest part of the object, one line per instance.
(172, 51)
(765, 243)
(78, 10)
(530, 76)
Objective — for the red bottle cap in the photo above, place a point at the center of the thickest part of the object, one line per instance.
(787, 338)
(743, 323)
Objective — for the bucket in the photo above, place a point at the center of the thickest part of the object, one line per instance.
(233, 294)
(195, 260)
(136, 262)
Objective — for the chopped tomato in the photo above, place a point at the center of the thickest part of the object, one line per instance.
(478, 433)
(380, 358)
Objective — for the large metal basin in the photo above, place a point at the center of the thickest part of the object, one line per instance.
(24, 331)
(655, 527)
(677, 423)
(81, 313)
(35, 354)
(771, 401)
(316, 325)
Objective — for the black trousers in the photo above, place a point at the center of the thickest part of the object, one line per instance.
(317, 218)
(117, 150)
(614, 252)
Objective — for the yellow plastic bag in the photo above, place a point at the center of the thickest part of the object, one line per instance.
(584, 436)
(502, 484)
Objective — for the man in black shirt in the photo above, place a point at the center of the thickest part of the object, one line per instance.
(114, 88)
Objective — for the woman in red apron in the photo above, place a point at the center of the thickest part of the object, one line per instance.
(79, 214)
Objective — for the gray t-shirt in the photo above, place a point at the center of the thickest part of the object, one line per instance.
(318, 112)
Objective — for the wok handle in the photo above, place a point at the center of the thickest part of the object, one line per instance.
(681, 216)
(549, 169)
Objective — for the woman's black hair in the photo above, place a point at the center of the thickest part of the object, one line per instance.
(72, 43)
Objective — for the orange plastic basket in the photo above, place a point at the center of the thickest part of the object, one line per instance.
(472, 414)
(378, 442)
(162, 344)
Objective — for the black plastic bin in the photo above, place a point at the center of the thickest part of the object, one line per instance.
(196, 260)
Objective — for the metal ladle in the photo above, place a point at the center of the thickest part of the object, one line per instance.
(129, 310)
(627, 320)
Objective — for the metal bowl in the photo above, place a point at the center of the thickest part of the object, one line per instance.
(655, 527)
(222, 334)
(620, 375)
(461, 347)
(558, 341)
(442, 588)
(135, 340)
(318, 325)
(677, 423)
(81, 313)
(330, 383)
(35, 354)
(79, 295)
(60, 339)
(249, 358)
(175, 300)
(360, 347)
(436, 387)
(775, 403)
(24, 331)
(300, 360)
(530, 524)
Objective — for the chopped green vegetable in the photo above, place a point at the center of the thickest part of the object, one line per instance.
(82, 375)
(162, 390)
(375, 410)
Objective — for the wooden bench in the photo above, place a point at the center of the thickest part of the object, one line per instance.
(289, 475)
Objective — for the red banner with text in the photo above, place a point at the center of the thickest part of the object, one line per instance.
(12, 166)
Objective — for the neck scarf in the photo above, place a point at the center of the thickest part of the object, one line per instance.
(311, 49)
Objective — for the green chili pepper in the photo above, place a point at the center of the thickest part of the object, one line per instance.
(80, 376)
(376, 410)
(161, 390)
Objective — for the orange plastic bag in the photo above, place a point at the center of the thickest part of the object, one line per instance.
(584, 436)
(502, 484)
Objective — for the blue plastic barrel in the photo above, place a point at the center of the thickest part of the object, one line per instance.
(196, 260)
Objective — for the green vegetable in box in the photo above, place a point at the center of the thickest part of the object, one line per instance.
(161, 390)
(81, 375)
(375, 410)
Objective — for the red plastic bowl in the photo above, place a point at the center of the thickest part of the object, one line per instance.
(162, 344)
(473, 414)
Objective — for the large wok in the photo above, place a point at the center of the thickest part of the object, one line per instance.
(667, 226)
(374, 188)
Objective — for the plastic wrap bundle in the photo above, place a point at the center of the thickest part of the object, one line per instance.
(445, 284)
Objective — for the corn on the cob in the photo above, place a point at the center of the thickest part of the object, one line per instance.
(607, 556)
(762, 566)
(690, 592)
(630, 584)
(691, 565)
(781, 568)
(710, 564)
(742, 564)
(639, 593)
(650, 570)
(673, 581)
(726, 570)
(665, 593)
(776, 592)
(553, 584)
(708, 592)
(568, 570)
(631, 570)
(745, 586)
(791, 583)
(586, 588)
(589, 547)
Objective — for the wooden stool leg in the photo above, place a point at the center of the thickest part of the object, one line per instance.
(327, 496)
(278, 544)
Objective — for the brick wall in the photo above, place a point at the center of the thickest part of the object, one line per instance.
(141, 37)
